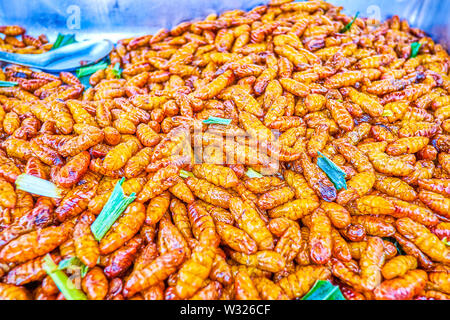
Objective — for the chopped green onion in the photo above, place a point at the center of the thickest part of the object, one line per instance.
(185, 174)
(63, 40)
(117, 71)
(113, 208)
(336, 174)
(72, 263)
(8, 84)
(387, 113)
(324, 290)
(253, 174)
(349, 25)
(35, 185)
(217, 120)
(447, 243)
(61, 280)
(415, 47)
(88, 70)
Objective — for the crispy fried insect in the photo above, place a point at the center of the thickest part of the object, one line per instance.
(317, 179)
(73, 170)
(398, 266)
(195, 270)
(436, 202)
(417, 213)
(244, 287)
(297, 284)
(8, 196)
(402, 288)
(395, 187)
(219, 175)
(357, 186)
(12, 292)
(389, 165)
(29, 271)
(82, 142)
(423, 239)
(295, 209)
(236, 238)
(86, 247)
(154, 272)
(157, 207)
(35, 243)
(76, 201)
(366, 102)
(290, 240)
(439, 281)
(95, 284)
(121, 259)
(338, 215)
(375, 205)
(248, 219)
(157, 183)
(274, 198)
(120, 154)
(209, 192)
(320, 241)
(374, 226)
(406, 145)
(137, 163)
(203, 226)
(124, 228)
(267, 260)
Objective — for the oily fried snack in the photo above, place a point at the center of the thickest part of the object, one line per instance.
(220, 127)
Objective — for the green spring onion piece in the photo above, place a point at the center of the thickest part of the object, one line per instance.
(253, 174)
(117, 71)
(324, 290)
(35, 185)
(336, 175)
(113, 208)
(61, 280)
(217, 120)
(387, 113)
(185, 174)
(88, 70)
(73, 262)
(349, 25)
(8, 84)
(63, 40)
(415, 47)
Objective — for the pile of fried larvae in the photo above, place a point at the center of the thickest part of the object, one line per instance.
(295, 79)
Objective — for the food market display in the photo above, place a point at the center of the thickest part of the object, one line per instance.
(250, 155)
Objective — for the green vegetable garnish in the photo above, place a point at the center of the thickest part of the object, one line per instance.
(253, 174)
(217, 120)
(387, 113)
(113, 208)
(185, 174)
(73, 263)
(8, 84)
(63, 40)
(61, 280)
(415, 47)
(117, 71)
(88, 70)
(447, 243)
(336, 174)
(324, 290)
(35, 185)
(349, 25)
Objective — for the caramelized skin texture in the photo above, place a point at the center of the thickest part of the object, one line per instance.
(293, 86)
